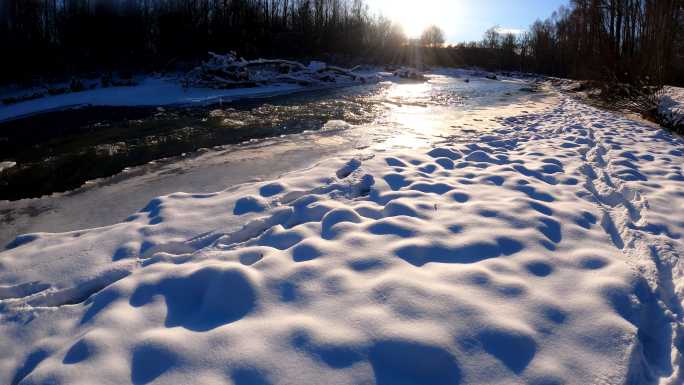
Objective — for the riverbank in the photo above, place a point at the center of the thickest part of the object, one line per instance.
(178, 91)
(220, 78)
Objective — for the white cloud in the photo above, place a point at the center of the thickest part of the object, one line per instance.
(515, 31)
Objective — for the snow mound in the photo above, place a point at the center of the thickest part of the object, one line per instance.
(7, 165)
(229, 71)
(671, 107)
(543, 253)
(410, 73)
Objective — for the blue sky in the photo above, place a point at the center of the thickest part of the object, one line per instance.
(465, 20)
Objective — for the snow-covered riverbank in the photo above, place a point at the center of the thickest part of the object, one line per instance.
(546, 250)
(221, 78)
(150, 92)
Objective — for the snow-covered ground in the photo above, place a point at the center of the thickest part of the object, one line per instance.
(542, 248)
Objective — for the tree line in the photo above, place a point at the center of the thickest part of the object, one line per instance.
(610, 40)
(57, 37)
(627, 40)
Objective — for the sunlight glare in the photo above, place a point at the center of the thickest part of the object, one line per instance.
(414, 17)
(410, 107)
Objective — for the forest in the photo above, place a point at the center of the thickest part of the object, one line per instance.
(44, 40)
(629, 40)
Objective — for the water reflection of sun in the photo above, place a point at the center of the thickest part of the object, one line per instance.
(410, 108)
(412, 93)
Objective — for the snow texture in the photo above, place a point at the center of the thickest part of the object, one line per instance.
(544, 252)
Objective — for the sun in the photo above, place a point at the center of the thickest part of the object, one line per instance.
(414, 16)
(413, 21)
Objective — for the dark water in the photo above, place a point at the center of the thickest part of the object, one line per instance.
(59, 151)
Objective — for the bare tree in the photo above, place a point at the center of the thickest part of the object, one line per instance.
(491, 38)
(432, 36)
(589, 39)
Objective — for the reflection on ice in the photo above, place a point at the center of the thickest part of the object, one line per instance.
(419, 114)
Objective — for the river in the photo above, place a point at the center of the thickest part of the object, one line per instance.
(92, 167)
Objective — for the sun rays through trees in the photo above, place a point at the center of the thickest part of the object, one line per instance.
(588, 39)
